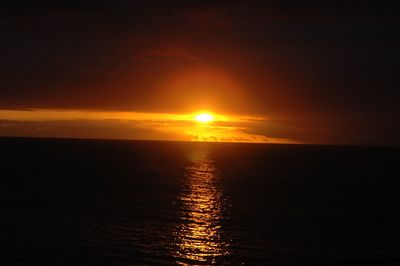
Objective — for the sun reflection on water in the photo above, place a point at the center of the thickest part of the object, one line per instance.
(198, 236)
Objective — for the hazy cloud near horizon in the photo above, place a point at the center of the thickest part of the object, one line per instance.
(131, 129)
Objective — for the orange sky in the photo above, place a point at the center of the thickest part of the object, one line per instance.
(191, 91)
(308, 72)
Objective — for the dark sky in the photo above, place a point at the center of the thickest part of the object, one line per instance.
(328, 69)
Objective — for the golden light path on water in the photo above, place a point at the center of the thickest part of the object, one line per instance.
(198, 236)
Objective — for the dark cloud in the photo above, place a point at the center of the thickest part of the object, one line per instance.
(168, 53)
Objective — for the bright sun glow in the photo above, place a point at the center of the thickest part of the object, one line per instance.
(204, 117)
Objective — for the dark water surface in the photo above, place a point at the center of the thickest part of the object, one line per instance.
(92, 202)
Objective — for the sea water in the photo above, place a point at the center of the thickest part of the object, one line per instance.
(103, 202)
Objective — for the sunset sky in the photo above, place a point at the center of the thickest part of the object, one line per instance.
(268, 71)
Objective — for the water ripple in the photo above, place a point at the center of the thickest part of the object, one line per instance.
(198, 237)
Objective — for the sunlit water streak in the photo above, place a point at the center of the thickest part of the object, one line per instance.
(201, 211)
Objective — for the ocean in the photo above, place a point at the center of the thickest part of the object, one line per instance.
(117, 202)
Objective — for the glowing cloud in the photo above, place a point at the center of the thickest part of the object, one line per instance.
(133, 125)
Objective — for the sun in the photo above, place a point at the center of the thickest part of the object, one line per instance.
(204, 117)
